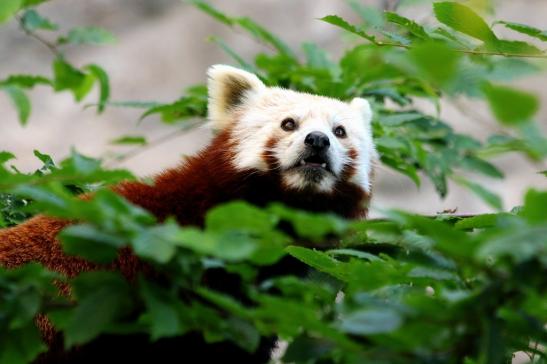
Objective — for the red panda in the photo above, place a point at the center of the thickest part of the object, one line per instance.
(273, 144)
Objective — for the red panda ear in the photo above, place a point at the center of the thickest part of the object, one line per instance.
(228, 89)
(363, 107)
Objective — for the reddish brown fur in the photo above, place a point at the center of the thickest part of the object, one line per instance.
(186, 192)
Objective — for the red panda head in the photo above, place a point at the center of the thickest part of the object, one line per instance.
(311, 142)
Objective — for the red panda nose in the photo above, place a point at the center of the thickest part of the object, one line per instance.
(317, 140)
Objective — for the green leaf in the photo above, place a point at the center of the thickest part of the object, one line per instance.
(479, 222)
(129, 140)
(226, 48)
(20, 101)
(341, 23)
(263, 35)
(67, 77)
(87, 35)
(102, 298)
(26, 81)
(6, 156)
(317, 57)
(435, 61)
(354, 253)
(32, 21)
(27, 3)
(87, 241)
(513, 47)
(194, 104)
(162, 309)
(487, 196)
(229, 245)
(212, 11)
(49, 164)
(248, 24)
(104, 84)
(463, 19)
(475, 164)
(319, 260)
(239, 215)
(414, 28)
(8, 8)
(371, 321)
(509, 105)
(158, 243)
(372, 16)
(525, 29)
(535, 206)
(21, 346)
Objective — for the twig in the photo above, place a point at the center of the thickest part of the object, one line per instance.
(51, 46)
(163, 139)
(473, 114)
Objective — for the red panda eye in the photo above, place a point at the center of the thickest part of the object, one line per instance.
(288, 124)
(340, 132)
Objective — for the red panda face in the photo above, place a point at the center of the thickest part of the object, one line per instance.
(311, 142)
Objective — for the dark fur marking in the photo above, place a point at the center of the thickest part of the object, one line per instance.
(235, 89)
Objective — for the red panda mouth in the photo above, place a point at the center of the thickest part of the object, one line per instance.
(314, 162)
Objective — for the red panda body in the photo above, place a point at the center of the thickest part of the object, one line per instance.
(219, 173)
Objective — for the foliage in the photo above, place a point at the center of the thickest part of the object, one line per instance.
(407, 288)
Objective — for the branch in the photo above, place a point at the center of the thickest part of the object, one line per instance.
(51, 46)
(163, 139)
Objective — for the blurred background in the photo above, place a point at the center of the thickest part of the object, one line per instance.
(162, 48)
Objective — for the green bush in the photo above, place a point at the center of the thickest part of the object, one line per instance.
(406, 288)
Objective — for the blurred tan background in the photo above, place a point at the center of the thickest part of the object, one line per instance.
(162, 47)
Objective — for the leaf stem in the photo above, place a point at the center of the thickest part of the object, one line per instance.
(51, 46)
(162, 139)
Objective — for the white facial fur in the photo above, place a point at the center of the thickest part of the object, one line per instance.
(256, 112)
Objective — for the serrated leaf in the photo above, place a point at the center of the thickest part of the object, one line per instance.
(26, 81)
(32, 20)
(463, 19)
(513, 47)
(414, 28)
(319, 260)
(341, 23)
(525, 29)
(509, 105)
(478, 222)
(399, 118)
(129, 140)
(20, 101)
(87, 35)
(371, 321)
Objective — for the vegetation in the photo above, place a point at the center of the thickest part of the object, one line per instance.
(407, 288)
